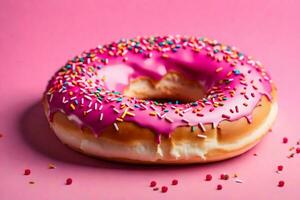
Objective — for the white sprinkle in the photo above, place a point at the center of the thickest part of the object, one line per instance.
(96, 106)
(101, 116)
(161, 116)
(116, 110)
(73, 98)
(99, 101)
(64, 100)
(90, 104)
(185, 120)
(173, 107)
(116, 126)
(187, 110)
(238, 181)
(87, 97)
(201, 136)
(202, 127)
(214, 125)
(153, 107)
(51, 97)
(100, 107)
(82, 100)
(145, 107)
(169, 119)
(89, 110)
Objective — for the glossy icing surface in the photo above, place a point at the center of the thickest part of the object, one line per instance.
(90, 86)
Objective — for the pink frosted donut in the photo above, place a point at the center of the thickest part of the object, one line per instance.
(170, 99)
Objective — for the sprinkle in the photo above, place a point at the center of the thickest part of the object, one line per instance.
(219, 69)
(31, 182)
(51, 166)
(219, 187)
(238, 181)
(201, 136)
(87, 97)
(153, 113)
(185, 120)
(202, 127)
(164, 189)
(153, 107)
(279, 167)
(208, 177)
(101, 116)
(214, 125)
(298, 150)
(280, 184)
(116, 110)
(143, 106)
(89, 110)
(153, 183)
(51, 97)
(169, 119)
(192, 128)
(69, 181)
(237, 109)
(27, 172)
(116, 126)
(125, 112)
(119, 119)
(285, 140)
(226, 116)
(174, 182)
(187, 110)
(224, 176)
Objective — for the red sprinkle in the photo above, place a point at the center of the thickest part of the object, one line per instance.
(280, 184)
(219, 187)
(298, 150)
(279, 167)
(174, 182)
(224, 177)
(27, 172)
(164, 189)
(285, 140)
(152, 183)
(155, 189)
(208, 177)
(69, 181)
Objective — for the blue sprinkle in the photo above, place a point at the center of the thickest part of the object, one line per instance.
(236, 72)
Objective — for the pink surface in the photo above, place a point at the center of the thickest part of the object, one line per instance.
(37, 38)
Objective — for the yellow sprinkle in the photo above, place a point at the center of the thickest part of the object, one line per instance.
(130, 114)
(72, 106)
(119, 119)
(153, 113)
(124, 113)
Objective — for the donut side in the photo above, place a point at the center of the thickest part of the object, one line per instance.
(136, 144)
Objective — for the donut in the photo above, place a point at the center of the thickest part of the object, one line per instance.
(161, 100)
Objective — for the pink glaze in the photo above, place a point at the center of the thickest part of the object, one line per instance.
(90, 86)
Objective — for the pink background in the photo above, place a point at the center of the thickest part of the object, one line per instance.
(36, 38)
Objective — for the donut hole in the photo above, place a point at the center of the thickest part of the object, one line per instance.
(173, 88)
